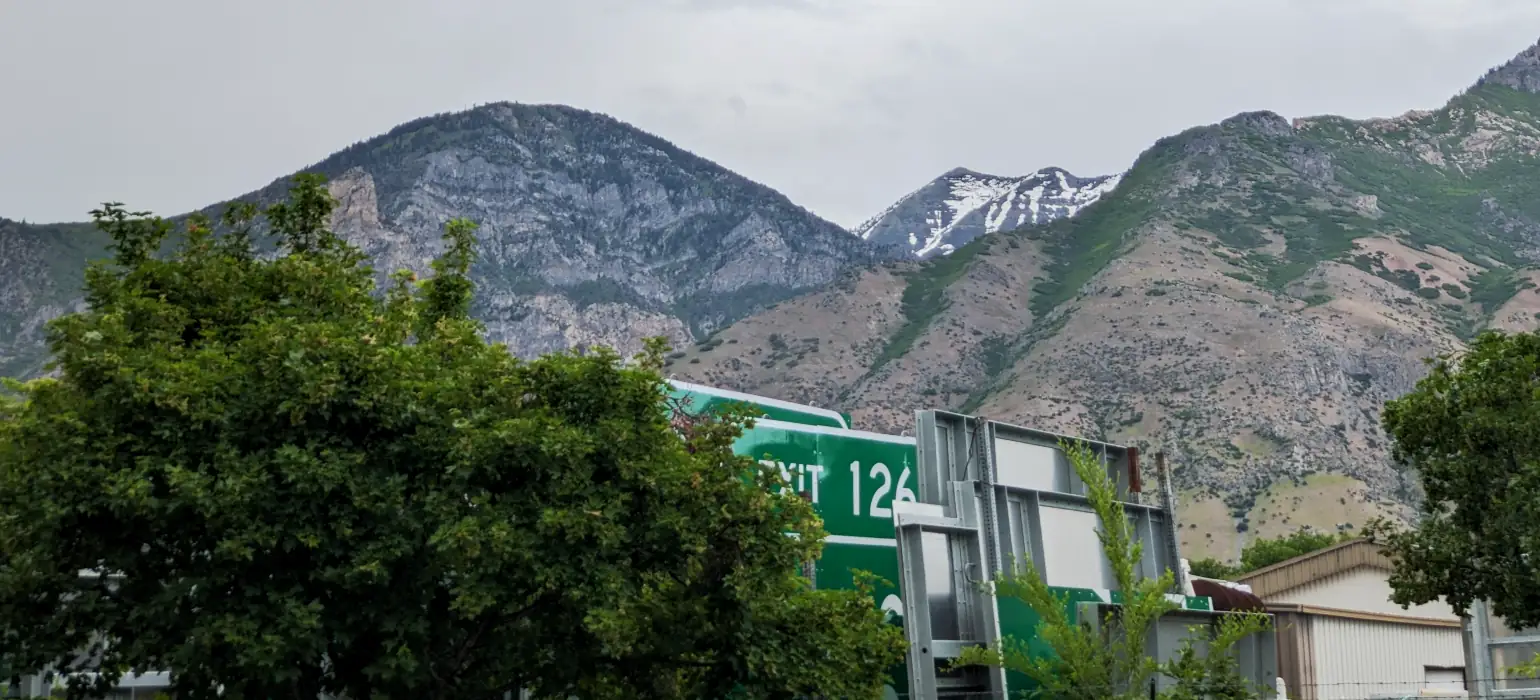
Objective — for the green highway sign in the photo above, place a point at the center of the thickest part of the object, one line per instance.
(852, 477)
(700, 399)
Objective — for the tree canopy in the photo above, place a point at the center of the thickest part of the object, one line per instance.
(1471, 431)
(276, 479)
(1265, 552)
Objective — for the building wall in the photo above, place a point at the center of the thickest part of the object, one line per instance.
(1364, 589)
(1296, 654)
(1355, 659)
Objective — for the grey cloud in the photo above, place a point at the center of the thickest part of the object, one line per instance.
(718, 5)
(813, 7)
(844, 105)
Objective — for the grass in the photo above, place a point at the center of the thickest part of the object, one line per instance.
(1250, 442)
(1214, 534)
(995, 352)
(1318, 238)
(1321, 501)
(1230, 228)
(1083, 246)
(1278, 204)
(925, 297)
(1442, 206)
(1017, 348)
(1493, 288)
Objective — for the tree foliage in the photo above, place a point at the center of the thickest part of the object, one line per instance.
(1471, 430)
(1265, 552)
(1209, 567)
(282, 481)
(1110, 662)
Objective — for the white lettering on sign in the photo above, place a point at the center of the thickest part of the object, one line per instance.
(875, 508)
(805, 475)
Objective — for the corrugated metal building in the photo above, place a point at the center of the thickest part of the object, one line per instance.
(1341, 638)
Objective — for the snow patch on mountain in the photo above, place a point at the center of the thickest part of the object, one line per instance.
(962, 205)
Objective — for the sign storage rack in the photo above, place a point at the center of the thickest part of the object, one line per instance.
(990, 495)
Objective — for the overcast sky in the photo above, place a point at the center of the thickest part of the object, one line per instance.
(844, 105)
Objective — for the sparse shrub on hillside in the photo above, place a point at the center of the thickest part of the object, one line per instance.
(1493, 288)
(1406, 279)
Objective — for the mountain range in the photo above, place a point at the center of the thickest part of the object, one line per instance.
(1245, 297)
(592, 232)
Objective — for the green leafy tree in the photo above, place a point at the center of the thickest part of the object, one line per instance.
(1205, 667)
(1471, 432)
(1210, 567)
(282, 481)
(1110, 663)
(1266, 552)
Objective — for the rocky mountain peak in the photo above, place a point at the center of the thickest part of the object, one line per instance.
(963, 204)
(964, 172)
(1522, 72)
(591, 231)
(1263, 121)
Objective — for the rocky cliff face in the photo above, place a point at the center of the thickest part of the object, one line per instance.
(1246, 299)
(43, 270)
(591, 232)
(962, 205)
